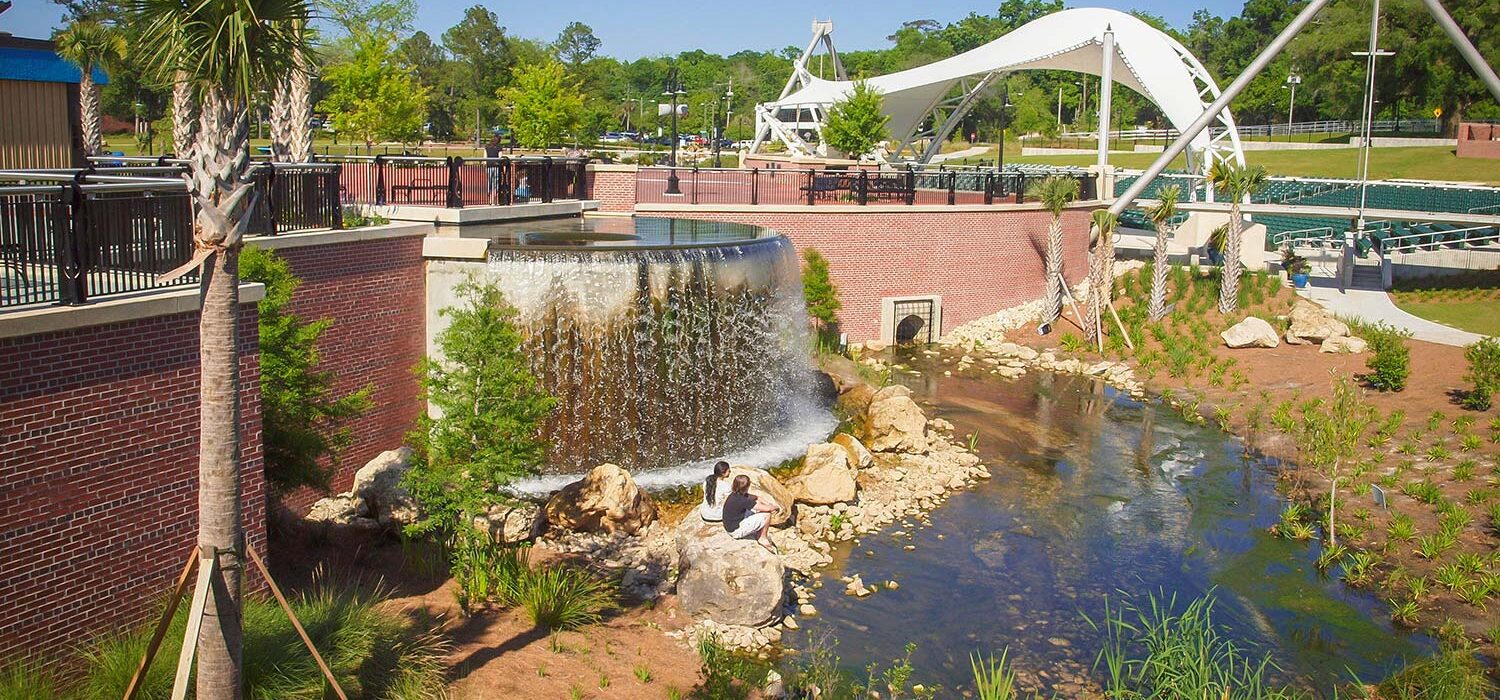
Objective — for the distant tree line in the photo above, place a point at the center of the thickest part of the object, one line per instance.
(468, 83)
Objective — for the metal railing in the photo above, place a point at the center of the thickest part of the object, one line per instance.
(455, 182)
(788, 186)
(68, 236)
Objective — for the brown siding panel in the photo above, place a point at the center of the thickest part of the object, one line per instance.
(34, 125)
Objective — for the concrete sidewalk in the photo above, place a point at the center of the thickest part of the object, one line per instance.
(1374, 305)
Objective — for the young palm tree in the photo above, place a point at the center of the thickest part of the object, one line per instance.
(89, 45)
(1101, 272)
(1161, 216)
(291, 113)
(1238, 183)
(1054, 193)
(184, 116)
(223, 50)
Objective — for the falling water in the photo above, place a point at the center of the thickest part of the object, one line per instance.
(674, 344)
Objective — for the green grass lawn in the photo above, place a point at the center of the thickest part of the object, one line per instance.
(1421, 162)
(1468, 301)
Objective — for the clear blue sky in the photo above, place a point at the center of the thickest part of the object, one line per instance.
(653, 27)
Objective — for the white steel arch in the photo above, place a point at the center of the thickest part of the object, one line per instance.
(929, 101)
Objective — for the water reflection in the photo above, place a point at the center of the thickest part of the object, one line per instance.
(1092, 494)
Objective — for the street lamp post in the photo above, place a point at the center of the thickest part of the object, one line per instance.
(1004, 104)
(674, 90)
(1292, 81)
(723, 132)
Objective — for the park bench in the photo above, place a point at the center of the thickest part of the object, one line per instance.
(828, 187)
(419, 184)
(888, 187)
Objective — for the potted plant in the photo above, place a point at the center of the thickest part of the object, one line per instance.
(1295, 266)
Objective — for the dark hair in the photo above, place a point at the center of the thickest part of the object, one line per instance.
(711, 484)
(741, 484)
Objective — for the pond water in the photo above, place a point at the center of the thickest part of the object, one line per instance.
(1092, 495)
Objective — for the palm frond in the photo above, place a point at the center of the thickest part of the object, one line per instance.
(1055, 193)
(89, 44)
(1166, 205)
(237, 46)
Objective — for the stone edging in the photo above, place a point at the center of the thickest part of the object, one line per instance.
(115, 309)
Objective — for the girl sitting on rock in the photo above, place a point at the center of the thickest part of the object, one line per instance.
(714, 493)
(747, 517)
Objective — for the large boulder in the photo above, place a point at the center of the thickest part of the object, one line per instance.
(343, 509)
(1344, 344)
(896, 424)
(605, 500)
(378, 484)
(1252, 332)
(859, 455)
(826, 477)
(512, 522)
(767, 487)
(1312, 324)
(729, 581)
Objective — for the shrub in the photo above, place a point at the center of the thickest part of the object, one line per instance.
(1390, 362)
(562, 597)
(1484, 373)
(819, 292)
(373, 652)
(25, 683)
(485, 569)
(856, 123)
(490, 412)
(304, 421)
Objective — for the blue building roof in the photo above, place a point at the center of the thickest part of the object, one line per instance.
(41, 66)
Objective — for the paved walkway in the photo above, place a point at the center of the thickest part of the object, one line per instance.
(1375, 305)
(966, 153)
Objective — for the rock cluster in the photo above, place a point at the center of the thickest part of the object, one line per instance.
(376, 499)
(606, 499)
(1310, 324)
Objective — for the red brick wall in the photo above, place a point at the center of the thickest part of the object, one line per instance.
(1478, 140)
(99, 472)
(374, 292)
(980, 262)
(615, 189)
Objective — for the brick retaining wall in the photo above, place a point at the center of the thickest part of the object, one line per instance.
(99, 472)
(373, 291)
(979, 261)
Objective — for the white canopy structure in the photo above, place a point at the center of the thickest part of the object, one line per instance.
(929, 101)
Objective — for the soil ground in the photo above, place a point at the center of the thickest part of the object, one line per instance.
(498, 653)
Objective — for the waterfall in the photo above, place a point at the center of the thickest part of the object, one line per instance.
(667, 352)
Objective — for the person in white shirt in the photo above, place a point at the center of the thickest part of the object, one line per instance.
(714, 493)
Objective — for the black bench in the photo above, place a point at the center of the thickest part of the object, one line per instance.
(828, 187)
(888, 187)
(421, 184)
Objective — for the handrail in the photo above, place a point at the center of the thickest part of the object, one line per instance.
(1394, 243)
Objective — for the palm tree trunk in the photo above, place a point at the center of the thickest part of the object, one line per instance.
(1229, 289)
(1054, 271)
(1101, 284)
(218, 181)
(184, 117)
(88, 112)
(1158, 307)
(291, 112)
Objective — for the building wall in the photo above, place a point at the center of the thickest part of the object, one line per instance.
(1478, 140)
(99, 475)
(978, 261)
(36, 131)
(373, 292)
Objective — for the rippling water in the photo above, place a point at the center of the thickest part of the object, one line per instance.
(1092, 495)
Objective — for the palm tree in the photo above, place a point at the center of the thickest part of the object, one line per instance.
(1161, 216)
(89, 45)
(1238, 182)
(291, 113)
(1055, 193)
(1101, 272)
(184, 116)
(223, 50)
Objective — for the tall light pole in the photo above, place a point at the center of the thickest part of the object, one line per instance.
(1364, 151)
(1004, 105)
(728, 104)
(674, 90)
(1292, 81)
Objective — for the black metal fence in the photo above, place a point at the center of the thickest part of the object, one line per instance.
(455, 182)
(70, 236)
(786, 186)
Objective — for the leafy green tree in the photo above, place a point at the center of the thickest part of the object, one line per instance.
(484, 59)
(856, 124)
(486, 413)
(576, 44)
(374, 98)
(302, 417)
(818, 290)
(1484, 373)
(544, 104)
